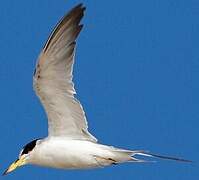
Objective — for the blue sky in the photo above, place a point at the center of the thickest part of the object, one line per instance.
(136, 74)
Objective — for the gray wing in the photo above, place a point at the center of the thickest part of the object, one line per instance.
(53, 80)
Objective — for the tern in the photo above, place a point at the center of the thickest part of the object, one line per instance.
(69, 145)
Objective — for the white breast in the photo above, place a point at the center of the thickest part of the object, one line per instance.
(68, 154)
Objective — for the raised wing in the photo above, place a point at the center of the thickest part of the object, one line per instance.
(53, 80)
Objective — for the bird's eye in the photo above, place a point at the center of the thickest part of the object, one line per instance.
(29, 147)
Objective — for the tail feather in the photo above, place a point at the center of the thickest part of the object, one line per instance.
(148, 154)
(122, 155)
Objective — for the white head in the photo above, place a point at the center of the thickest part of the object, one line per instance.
(24, 156)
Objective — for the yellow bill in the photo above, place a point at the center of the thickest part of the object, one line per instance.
(14, 165)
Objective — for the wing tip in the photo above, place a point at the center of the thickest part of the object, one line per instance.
(76, 12)
(79, 6)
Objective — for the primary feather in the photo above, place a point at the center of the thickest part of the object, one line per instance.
(53, 80)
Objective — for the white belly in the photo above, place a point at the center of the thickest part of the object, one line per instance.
(70, 154)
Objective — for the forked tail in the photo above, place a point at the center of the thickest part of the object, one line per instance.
(148, 154)
(117, 156)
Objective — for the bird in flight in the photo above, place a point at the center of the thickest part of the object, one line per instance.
(69, 144)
